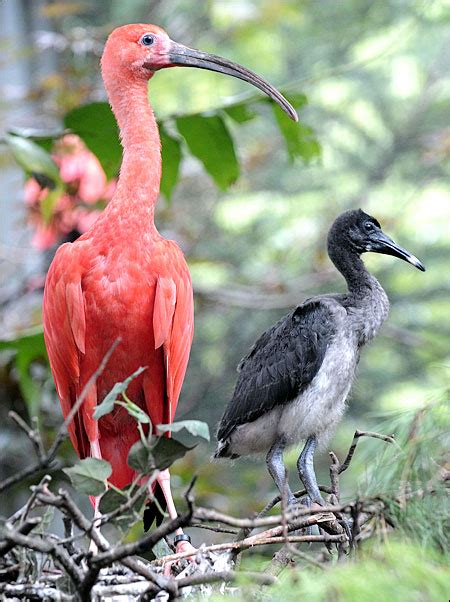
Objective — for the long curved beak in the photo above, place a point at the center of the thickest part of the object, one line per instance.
(381, 243)
(189, 57)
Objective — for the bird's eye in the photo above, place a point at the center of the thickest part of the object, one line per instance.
(369, 227)
(147, 40)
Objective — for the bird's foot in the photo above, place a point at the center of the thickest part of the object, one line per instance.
(183, 546)
(347, 525)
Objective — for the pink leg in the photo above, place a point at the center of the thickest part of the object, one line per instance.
(95, 453)
(164, 481)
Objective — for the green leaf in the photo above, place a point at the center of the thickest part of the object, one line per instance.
(89, 475)
(299, 138)
(32, 158)
(135, 411)
(28, 347)
(240, 112)
(112, 499)
(48, 204)
(166, 451)
(195, 427)
(208, 139)
(97, 126)
(140, 458)
(107, 404)
(171, 159)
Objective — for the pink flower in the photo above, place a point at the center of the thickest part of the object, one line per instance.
(44, 237)
(33, 193)
(85, 184)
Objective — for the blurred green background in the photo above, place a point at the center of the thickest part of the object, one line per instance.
(377, 79)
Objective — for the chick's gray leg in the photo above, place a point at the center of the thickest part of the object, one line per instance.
(305, 466)
(277, 469)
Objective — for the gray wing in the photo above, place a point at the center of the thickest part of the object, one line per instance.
(281, 363)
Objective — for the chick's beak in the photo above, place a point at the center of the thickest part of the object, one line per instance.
(183, 56)
(381, 243)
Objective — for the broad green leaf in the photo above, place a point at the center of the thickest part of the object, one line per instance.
(208, 139)
(240, 112)
(96, 125)
(171, 159)
(32, 158)
(140, 458)
(107, 404)
(89, 475)
(28, 348)
(110, 500)
(195, 427)
(166, 451)
(300, 139)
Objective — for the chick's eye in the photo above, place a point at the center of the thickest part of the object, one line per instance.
(369, 227)
(147, 40)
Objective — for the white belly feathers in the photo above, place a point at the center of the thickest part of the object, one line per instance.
(316, 411)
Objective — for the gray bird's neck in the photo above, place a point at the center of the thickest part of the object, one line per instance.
(366, 301)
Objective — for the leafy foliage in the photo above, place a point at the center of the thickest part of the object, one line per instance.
(385, 572)
(119, 389)
(206, 137)
(197, 428)
(96, 126)
(89, 475)
(27, 348)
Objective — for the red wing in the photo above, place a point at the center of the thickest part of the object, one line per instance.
(64, 333)
(173, 324)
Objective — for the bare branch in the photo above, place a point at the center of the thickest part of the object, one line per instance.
(45, 460)
(356, 436)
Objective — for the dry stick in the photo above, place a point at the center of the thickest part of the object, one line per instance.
(336, 469)
(129, 503)
(33, 434)
(211, 515)
(46, 460)
(66, 505)
(267, 537)
(346, 463)
(216, 528)
(245, 531)
(297, 494)
(37, 591)
(24, 528)
(142, 545)
(45, 547)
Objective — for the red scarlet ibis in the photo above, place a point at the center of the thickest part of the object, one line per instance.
(121, 278)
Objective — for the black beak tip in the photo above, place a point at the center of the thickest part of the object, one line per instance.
(418, 264)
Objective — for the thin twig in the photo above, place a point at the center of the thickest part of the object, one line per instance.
(252, 542)
(346, 463)
(46, 460)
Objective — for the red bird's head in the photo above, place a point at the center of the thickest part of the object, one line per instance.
(135, 52)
